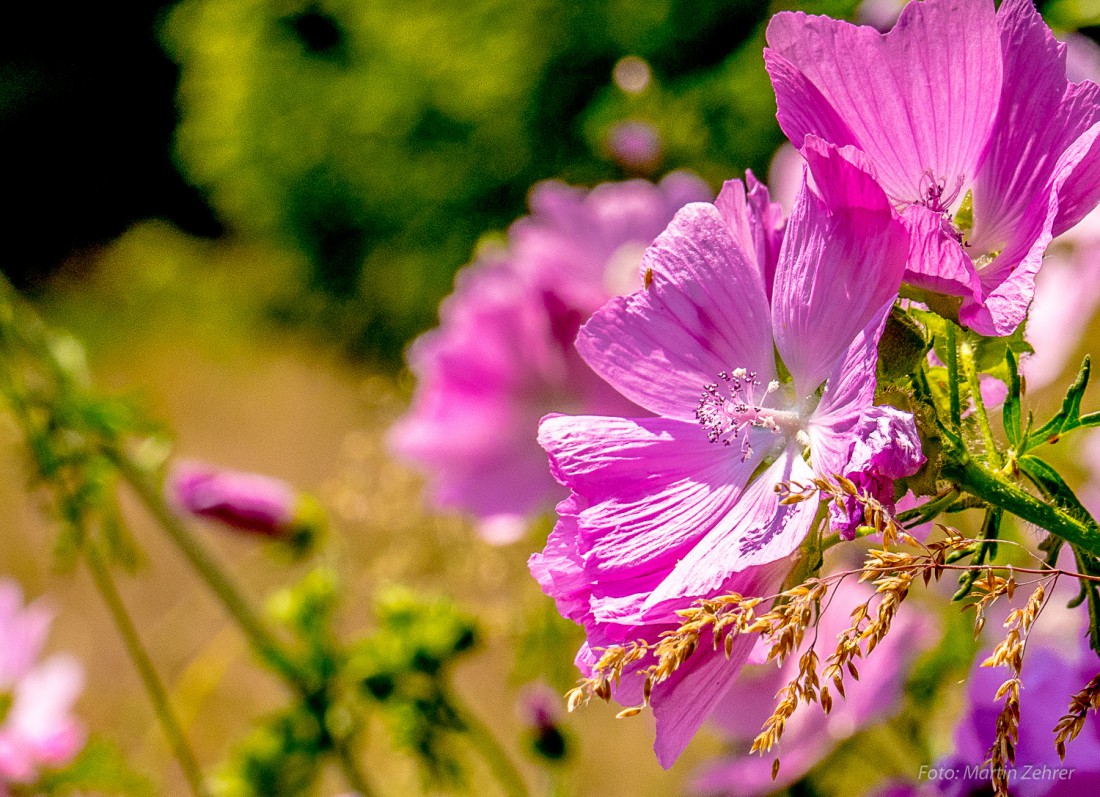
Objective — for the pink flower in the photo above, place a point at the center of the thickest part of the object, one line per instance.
(36, 727)
(1054, 668)
(972, 128)
(887, 447)
(811, 734)
(245, 501)
(669, 509)
(503, 354)
(635, 146)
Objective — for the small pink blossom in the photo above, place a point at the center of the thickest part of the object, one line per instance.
(887, 447)
(37, 729)
(503, 354)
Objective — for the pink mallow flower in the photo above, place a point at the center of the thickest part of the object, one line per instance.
(810, 735)
(670, 509)
(972, 128)
(37, 730)
(503, 354)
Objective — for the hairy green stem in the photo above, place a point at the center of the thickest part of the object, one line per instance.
(996, 490)
(158, 694)
(980, 413)
(953, 376)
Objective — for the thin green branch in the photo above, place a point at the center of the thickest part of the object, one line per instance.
(259, 635)
(158, 694)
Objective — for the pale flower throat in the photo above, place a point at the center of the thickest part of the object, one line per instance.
(728, 409)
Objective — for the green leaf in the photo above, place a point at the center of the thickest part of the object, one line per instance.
(1067, 418)
(1010, 413)
(986, 550)
(1054, 487)
(1088, 421)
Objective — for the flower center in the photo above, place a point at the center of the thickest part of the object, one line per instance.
(6, 701)
(933, 191)
(728, 409)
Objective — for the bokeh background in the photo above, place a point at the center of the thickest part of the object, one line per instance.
(246, 209)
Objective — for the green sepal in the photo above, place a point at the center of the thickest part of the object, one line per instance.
(1010, 412)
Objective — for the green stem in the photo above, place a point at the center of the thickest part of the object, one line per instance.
(953, 375)
(262, 638)
(832, 540)
(498, 760)
(973, 380)
(356, 779)
(929, 509)
(998, 491)
(158, 695)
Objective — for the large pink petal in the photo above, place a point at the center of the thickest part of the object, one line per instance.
(683, 703)
(705, 311)
(646, 489)
(1009, 281)
(842, 259)
(919, 99)
(756, 222)
(1041, 115)
(937, 260)
(848, 392)
(758, 530)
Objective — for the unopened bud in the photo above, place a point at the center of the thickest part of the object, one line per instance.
(246, 501)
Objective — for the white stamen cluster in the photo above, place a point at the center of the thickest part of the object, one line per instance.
(728, 408)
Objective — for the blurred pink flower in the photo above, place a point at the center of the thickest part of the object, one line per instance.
(246, 501)
(811, 734)
(1055, 666)
(634, 145)
(503, 356)
(36, 728)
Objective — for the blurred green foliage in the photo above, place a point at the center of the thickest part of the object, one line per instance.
(379, 140)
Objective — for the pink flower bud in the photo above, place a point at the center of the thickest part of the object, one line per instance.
(246, 501)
